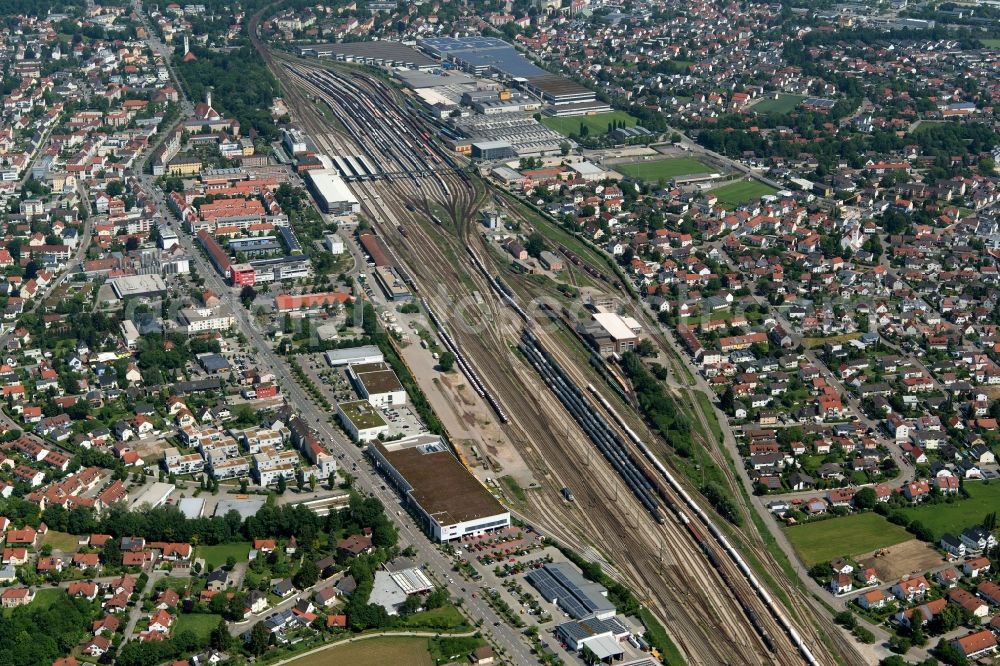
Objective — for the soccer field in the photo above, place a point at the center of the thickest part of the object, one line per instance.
(734, 194)
(844, 537)
(656, 169)
(784, 104)
(597, 125)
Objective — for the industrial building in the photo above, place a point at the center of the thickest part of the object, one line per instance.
(139, 285)
(486, 56)
(492, 150)
(354, 355)
(610, 333)
(153, 496)
(331, 192)
(377, 383)
(560, 583)
(451, 501)
(391, 284)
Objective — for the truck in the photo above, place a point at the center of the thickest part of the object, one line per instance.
(567, 494)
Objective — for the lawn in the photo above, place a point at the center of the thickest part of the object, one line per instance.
(597, 124)
(216, 556)
(668, 168)
(372, 652)
(844, 537)
(67, 543)
(991, 43)
(941, 518)
(784, 104)
(734, 194)
(200, 623)
(447, 618)
(46, 597)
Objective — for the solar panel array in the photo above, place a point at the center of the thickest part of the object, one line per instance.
(554, 584)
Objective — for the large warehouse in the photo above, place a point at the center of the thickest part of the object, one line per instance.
(450, 499)
(331, 192)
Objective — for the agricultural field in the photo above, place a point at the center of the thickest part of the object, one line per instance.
(216, 556)
(844, 537)
(663, 169)
(372, 652)
(734, 194)
(597, 125)
(941, 518)
(785, 103)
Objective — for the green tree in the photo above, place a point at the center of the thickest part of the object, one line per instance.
(865, 498)
(307, 575)
(260, 638)
(446, 361)
(535, 244)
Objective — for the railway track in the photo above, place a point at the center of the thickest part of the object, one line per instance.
(656, 559)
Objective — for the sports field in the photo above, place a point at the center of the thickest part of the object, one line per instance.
(597, 125)
(844, 537)
(372, 652)
(669, 168)
(955, 517)
(783, 104)
(734, 194)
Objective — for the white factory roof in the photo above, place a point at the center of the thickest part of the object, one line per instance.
(330, 185)
(154, 496)
(138, 285)
(618, 327)
(585, 168)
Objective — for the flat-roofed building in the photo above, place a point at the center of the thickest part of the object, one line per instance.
(377, 383)
(354, 355)
(451, 501)
(148, 286)
(610, 333)
(361, 420)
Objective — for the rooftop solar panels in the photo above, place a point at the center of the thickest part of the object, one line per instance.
(577, 597)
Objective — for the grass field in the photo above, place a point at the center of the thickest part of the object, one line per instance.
(784, 104)
(514, 487)
(844, 537)
(734, 194)
(656, 169)
(819, 342)
(597, 125)
(453, 650)
(61, 541)
(216, 556)
(941, 518)
(372, 652)
(447, 618)
(200, 623)
(991, 43)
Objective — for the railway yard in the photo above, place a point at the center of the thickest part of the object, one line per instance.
(423, 206)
